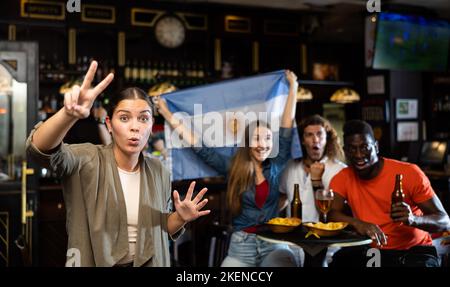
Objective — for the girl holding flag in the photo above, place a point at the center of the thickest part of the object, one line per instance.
(253, 180)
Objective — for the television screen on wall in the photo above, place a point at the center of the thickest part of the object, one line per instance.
(411, 43)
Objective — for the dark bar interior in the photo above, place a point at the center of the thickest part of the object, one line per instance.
(389, 68)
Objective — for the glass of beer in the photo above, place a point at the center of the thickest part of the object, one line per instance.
(324, 198)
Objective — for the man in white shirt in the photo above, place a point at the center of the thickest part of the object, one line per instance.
(321, 162)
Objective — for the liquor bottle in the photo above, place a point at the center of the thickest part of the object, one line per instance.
(135, 71)
(53, 104)
(182, 70)
(398, 195)
(296, 205)
(42, 114)
(175, 70)
(142, 72)
(148, 73)
(169, 71)
(85, 64)
(127, 72)
(79, 67)
(99, 72)
(188, 71)
(155, 71)
(201, 71)
(42, 63)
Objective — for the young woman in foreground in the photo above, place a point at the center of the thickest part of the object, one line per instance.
(117, 201)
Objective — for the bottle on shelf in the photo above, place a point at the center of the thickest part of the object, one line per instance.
(48, 67)
(79, 67)
(42, 115)
(135, 71)
(162, 69)
(446, 105)
(127, 71)
(155, 70)
(182, 70)
(99, 72)
(175, 70)
(148, 72)
(201, 71)
(111, 69)
(188, 71)
(169, 70)
(142, 72)
(194, 71)
(85, 65)
(53, 104)
(42, 63)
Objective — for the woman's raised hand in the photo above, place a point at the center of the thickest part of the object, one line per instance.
(161, 105)
(190, 209)
(78, 102)
(291, 77)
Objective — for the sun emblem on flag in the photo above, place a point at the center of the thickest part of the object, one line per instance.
(233, 125)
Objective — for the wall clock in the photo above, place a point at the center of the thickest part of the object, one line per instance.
(170, 31)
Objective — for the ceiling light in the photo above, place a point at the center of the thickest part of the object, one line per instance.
(304, 95)
(345, 96)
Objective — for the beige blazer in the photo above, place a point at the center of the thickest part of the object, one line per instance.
(96, 218)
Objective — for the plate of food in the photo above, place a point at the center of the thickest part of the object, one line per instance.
(283, 224)
(325, 229)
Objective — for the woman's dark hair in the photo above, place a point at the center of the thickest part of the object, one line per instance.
(333, 149)
(154, 138)
(358, 127)
(132, 93)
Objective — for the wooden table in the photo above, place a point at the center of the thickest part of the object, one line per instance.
(315, 248)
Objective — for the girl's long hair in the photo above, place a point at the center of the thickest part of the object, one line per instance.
(242, 170)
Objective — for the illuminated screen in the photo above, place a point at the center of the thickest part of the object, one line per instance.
(411, 43)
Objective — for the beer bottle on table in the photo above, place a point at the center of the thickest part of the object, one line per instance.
(296, 206)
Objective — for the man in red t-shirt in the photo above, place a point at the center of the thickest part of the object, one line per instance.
(400, 231)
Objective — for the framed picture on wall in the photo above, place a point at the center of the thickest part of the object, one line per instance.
(325, 72)
(407, 131)
(406, 108)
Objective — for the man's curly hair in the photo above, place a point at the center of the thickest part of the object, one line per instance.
(333, 148)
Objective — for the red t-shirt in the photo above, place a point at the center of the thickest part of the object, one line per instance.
(370, 200)
(261, 194)
(262, 191)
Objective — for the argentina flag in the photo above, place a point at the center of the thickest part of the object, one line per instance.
(218, 114)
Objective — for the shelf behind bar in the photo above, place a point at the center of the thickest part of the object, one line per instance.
(325, 83)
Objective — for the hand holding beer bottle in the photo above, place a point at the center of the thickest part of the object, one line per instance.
(400, 210)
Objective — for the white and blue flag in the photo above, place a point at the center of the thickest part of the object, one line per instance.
(218, 114)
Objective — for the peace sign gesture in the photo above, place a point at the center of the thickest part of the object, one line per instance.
(78, 102)
(189, 209)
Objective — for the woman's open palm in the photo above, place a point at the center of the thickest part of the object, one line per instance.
(189, 209)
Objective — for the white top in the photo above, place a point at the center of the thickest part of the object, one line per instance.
(130, 182)
(295, 173)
